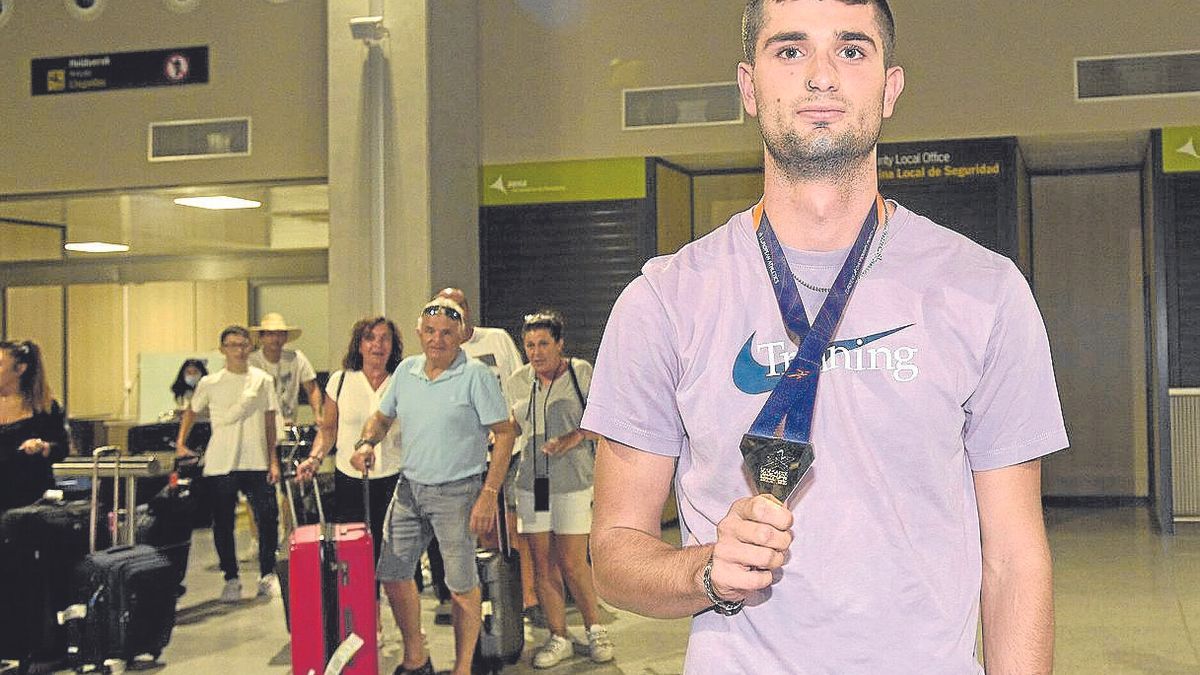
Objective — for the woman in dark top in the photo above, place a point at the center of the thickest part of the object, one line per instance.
(33, 429)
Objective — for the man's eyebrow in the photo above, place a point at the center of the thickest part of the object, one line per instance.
(792, 36)
(855, 36)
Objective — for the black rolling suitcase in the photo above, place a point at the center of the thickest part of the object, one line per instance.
(502, 635)
(124, 598)
(40, 545)
(166, 524)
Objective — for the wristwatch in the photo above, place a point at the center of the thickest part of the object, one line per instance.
(361, 442)
(723, 607)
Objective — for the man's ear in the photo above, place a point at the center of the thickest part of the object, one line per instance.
(893, 85)
(745, 79)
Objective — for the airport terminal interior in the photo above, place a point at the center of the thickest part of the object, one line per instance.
(171, 167)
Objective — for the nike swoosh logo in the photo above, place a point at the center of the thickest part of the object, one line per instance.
(753, 378)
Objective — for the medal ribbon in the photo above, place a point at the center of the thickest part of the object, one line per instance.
(788, 412)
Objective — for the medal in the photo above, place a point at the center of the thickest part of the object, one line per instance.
(776, 465)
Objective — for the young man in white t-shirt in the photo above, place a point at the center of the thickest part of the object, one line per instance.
(241, 403)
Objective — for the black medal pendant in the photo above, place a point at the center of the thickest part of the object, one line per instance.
(776, 465)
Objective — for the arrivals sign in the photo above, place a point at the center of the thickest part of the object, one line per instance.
(119, 70)
(943, 161)
(1181, 149)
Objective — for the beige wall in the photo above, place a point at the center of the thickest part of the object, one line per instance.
(673, 208)
(551, 84)
(717, 197)
(111, 325)
(267, 62)
(1087, 250)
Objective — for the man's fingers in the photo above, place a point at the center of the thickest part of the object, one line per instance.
(733, 582)
(765, 509)
(749, 556)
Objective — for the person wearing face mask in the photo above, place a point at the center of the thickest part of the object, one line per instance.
(185, 383)
(33, 426)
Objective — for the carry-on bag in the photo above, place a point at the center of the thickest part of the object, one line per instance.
(124, 596)
(40, 545)
(165, 523)
(331, 591)
(502, 635)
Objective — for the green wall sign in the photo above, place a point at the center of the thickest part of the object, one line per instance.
(572, 181)
(1181, 149)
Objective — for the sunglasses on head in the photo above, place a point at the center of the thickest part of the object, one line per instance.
(434, 310)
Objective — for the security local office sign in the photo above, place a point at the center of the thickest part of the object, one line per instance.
(119, 70)
(1181, 149)
(942, 161)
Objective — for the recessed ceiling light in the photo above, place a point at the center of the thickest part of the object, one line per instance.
(96, 247)
(218, 203)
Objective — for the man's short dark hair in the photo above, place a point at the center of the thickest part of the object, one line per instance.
(234, 330)
(752, 21)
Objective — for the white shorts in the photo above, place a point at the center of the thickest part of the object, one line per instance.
(570, 513)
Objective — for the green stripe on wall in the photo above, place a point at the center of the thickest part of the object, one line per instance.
(571, 181)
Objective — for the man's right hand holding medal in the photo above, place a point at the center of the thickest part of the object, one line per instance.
(752, 542)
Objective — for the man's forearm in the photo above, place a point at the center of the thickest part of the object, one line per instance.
(502, 447)
(271, 437)
(643, 574)
(376, 428)
(185, 427)
(1018, 616)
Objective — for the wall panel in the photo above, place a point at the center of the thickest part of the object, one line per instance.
(36, 313)
(1091, 300)
(94, 343)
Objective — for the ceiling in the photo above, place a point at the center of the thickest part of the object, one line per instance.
(291, 217)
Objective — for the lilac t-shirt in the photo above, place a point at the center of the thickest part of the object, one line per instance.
(940, 367)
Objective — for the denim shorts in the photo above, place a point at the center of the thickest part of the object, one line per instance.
(416, 514)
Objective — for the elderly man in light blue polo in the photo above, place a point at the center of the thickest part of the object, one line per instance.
(445, 404)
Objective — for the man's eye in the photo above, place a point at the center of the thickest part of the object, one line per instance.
(852, 52)
(789, 53)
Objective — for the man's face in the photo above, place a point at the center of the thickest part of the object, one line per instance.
(273, 339)
(819, 86)
(235, 349)
(440, 337)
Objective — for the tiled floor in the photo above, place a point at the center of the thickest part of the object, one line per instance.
(1127, 601)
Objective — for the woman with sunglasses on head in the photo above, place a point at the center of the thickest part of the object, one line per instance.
(351, 395)
(33, 426)
(554, 483)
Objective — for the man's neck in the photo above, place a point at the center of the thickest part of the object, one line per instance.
(237, 368)
(435, 368)
(818, 215)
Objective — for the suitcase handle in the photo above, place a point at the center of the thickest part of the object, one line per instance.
(94, 517)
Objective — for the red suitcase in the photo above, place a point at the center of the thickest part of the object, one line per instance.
(331, 591)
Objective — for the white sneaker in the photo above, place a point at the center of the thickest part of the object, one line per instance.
(268, 586)
(600, 647)
(232, 591)
(553, 652)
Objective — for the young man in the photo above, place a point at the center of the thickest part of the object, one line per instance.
(289, 368)
(240, 400)
(936, 399)
(445, 404)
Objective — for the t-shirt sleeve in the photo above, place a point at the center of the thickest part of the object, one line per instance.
(487, 397)
(387, 402)
(1014, 414)
(334, 383)
(514, 355)
(304, 368)
(631, 399)
(200, 395)
(268, 387)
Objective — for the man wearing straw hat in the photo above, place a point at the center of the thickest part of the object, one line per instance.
(290, 367)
